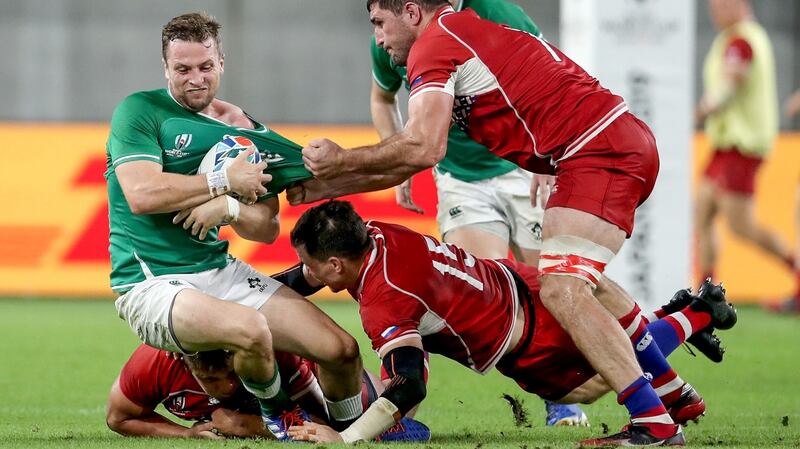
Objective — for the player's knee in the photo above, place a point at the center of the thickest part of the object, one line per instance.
(254, 335)
(342, 353)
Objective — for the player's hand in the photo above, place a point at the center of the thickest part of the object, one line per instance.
(204, 430)
(307, 192)
(204, 217)
(235, 424)
(324, 158)
(402, 194)
(246, 179)
(541, 188)
(316, 433)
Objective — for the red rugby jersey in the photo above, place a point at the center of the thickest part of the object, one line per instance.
(412, 284)
(513, 92)
(152, 377)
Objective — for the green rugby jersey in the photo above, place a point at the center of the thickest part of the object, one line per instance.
(466, 159)
(152, 126)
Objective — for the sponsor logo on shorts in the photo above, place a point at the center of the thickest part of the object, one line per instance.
(537, 232)
(175, 282)
(455, 211)
(256, 283)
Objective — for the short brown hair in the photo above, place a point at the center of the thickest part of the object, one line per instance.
(191, 27)
(396, 6)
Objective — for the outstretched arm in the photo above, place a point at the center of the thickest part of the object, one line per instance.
(420, 145)
(130, 419)
(405, 363)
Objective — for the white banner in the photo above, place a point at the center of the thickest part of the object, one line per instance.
(643, 50)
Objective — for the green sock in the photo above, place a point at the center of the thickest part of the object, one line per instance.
(271, 397)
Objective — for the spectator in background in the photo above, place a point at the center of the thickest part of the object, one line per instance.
(740, 111)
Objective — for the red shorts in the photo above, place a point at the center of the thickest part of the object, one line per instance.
(612, 175)
(733, 171)
(545, 362)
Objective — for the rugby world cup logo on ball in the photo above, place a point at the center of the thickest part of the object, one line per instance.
(222, 154)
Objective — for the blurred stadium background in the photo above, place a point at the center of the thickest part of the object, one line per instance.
(302, 66)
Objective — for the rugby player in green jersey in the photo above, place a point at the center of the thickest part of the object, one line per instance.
(486, 204)
(179, 288)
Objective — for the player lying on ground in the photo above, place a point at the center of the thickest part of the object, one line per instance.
(416, 294)
(204, 388)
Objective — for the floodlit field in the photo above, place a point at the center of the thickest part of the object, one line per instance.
(58, 359)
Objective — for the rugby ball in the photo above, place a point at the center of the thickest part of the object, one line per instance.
(222, 154)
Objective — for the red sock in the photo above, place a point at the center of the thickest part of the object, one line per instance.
(687, 322)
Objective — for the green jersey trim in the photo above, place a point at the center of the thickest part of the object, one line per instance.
(137, 157)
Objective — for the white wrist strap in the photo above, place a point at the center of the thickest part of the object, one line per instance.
(378, 417)
(233, 209)
(218, 183)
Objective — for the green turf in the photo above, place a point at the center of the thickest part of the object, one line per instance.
(60, 357)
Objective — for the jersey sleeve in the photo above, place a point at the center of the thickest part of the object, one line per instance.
(134, 132)
(738, 51)
(506, 13)
(382, 71)
(389, 315)
(432, 64)
(139, 378)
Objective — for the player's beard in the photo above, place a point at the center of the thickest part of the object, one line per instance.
(400, 50)
(197, 103)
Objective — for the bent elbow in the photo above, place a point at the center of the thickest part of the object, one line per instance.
(139, 204)
(432, 156)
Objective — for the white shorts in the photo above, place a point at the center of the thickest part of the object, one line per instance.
(147, 307)
(500, 205)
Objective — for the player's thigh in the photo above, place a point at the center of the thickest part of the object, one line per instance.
(197, 323)
(524, 219)
(484, 240)
(464, 204)
(170, 312)
(590, 391)
(560, 221)
(298, 326)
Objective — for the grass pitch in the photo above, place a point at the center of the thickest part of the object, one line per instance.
(58, 359)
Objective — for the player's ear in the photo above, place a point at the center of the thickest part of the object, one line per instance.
(221, 62)
(412, 12)
(166, 71)
(337, 264)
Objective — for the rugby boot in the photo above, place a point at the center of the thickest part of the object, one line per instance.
(708, 344)
(689, 406)
(636, 436)
(278, 424)
(406, 430)
(565, 415)
(704, 341)
(711, 299)
(679, 301)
